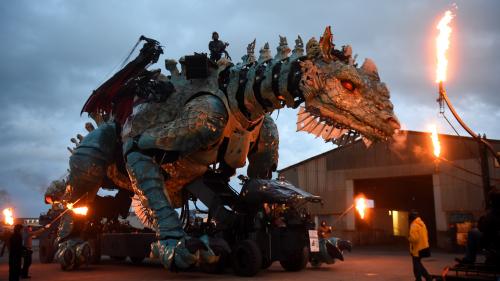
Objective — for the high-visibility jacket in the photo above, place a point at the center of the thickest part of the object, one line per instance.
(418, 236)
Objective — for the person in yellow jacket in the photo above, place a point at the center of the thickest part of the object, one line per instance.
(418, 241)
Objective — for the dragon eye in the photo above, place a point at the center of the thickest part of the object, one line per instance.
(348, 85)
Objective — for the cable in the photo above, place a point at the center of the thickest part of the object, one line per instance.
(443, 95)
(458, 134)
(451, 125)
(462, 179)
(464, 169)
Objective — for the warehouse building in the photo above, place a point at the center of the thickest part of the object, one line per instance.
(446, 192)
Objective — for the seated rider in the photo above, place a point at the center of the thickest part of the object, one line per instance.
(487, 234)
(217, 48)
(324, 230)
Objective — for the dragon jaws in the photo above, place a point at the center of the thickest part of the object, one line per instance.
(329, 130)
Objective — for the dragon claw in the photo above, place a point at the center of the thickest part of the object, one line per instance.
(207, 256)
(172, 252)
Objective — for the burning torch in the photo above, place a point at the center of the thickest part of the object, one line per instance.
(360, 205)
(442, 45)
(8, 215)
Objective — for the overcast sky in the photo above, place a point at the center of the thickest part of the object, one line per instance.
(54, 53)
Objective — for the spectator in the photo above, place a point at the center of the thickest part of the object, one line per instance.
(15, 253)
(419, 245)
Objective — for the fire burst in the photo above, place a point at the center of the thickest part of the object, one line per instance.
(360, 204)
(8, 216)
(442, 45)
(435, 141)
(79, 211)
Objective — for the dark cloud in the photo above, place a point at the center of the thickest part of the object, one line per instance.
(54, 53)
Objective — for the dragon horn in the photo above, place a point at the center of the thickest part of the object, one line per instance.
(298, 50)
(265, 53)
(312, 48)
(326, 44)
(370, 68)
(251, 46)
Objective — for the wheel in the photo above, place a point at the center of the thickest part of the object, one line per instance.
(296, 261)
(117, 258)
(67, 261)
(247, 258)
(137, 260)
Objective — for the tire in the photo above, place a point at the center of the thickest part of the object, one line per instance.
(296, 261)
(247, 258)
(137, 260)
(68, 262)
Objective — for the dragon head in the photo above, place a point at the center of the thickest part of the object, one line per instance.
(342, 101)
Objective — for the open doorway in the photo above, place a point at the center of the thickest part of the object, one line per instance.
(394, 198)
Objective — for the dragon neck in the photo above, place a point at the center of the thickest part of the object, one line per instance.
(259, 88)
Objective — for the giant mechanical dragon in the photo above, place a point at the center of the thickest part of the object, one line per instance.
(158, 133)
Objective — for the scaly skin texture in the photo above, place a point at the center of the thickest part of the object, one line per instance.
(171, 138)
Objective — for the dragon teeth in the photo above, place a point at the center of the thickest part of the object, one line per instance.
(336, 133)
(302, 110)
(367, 142)
(313, 126)
(317, 131)
(301, 126)
(326, 132)
(303, 118)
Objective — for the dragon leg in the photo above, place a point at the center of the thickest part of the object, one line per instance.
(198, 126)
(263, 157)
(148, 182)
(88, 165)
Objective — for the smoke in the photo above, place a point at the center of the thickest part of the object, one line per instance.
(418, 151)
(398, 144)
(4, 197)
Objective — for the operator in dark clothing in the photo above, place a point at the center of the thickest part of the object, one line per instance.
(15, 253)
(217, 48)
(28, 235)
(487, 234)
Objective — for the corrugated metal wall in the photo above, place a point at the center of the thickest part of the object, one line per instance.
(327, 174)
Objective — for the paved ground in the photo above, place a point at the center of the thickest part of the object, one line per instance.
(362, 264)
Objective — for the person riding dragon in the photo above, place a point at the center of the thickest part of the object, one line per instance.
(158, 133)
